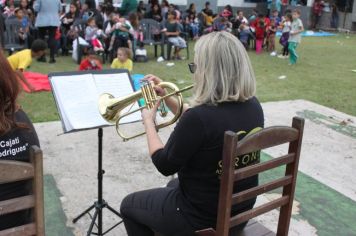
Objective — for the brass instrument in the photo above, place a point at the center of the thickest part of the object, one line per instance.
(110, 108)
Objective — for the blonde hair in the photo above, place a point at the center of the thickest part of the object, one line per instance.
(126, 51)
(223, 70)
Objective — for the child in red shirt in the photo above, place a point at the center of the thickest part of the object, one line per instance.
(91, 62)
(260, 31)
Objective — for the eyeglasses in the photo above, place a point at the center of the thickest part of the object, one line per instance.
(192, 67)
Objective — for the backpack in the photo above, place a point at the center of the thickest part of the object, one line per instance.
(141, 55)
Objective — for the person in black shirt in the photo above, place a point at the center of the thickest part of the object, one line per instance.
(66, 24)
(141, 9)
(207, 8)
(155, 13)
(223, 99)
(17, 135)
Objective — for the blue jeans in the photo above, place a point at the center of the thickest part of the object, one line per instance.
(195, 29)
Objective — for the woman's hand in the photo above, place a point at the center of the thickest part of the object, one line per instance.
(149, 116)
(156, 80)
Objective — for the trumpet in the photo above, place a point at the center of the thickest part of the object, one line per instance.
(111, 108)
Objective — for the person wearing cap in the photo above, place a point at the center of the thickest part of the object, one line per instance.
(223, 23)
(228, 8)
(226, 13)
(207, 8)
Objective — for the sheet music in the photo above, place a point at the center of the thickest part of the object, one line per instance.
(77, 98)
(118, 85)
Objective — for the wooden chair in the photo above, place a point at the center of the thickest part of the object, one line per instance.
(265, 138)
(12, 171)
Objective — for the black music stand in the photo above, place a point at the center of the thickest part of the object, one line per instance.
(100, 204)
(59, 84)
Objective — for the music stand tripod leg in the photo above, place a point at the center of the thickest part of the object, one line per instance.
(100, 204)
(83, 214)
(113, 210)
(92, 223)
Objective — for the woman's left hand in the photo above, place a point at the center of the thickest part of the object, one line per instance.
(149, 116)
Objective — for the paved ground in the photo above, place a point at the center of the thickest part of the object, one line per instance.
(326, 191)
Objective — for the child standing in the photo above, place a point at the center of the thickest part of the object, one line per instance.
(245, 34)
(271, 37)
(285, 36)
(24, 29)
(123, 60)
(295, 36)
(260, 30)
(275, 17)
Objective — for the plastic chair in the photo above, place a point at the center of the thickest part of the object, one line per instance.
(12, 42)
(152, 34)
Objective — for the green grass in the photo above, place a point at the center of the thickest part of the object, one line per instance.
(323, 75)
(330, 212)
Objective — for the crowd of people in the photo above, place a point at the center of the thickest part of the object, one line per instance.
(108, 29)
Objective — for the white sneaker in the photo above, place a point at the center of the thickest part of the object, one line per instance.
(281, 56)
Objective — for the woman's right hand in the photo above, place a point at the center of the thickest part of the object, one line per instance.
(156, 80)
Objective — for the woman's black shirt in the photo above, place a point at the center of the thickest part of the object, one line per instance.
(194, 150)
(15, 146)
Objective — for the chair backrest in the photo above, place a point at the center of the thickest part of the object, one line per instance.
(12, 31)
(266, 138)
(13, 171)
(79, 26)
(150, 29)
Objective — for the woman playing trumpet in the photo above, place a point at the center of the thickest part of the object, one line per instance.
(223, 99)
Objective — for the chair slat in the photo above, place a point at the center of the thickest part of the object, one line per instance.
(252, 170)
(245, 216)
(24, 230)
(36, 159)
(17, 204)
(255, 191)
(262, 139)
(12, 171)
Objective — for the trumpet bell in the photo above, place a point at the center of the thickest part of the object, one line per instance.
(106, 100)
(110, 107)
